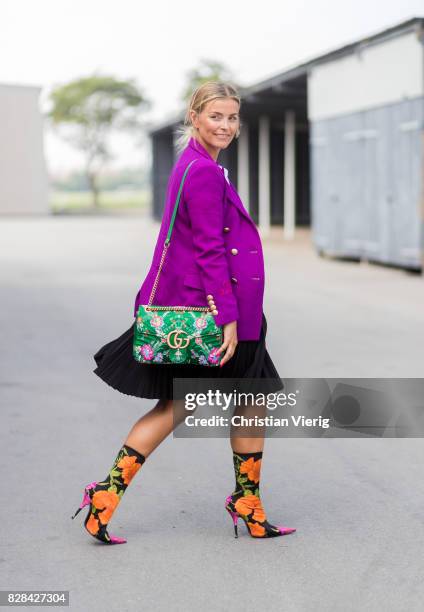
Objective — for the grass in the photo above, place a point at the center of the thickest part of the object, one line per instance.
(81, 201)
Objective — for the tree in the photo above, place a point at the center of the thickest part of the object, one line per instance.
(88, 110)
(208, 70)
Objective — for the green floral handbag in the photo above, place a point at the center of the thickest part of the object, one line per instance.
(176, 334)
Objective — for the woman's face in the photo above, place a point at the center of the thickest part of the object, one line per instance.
(217, 124)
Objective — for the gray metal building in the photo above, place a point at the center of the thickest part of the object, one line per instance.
(365, 111)
(335, 143)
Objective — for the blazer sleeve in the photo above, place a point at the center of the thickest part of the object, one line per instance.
(204, 193)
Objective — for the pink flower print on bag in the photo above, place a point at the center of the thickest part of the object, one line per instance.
(213, 356)
(147, 351)
(200, 323)
(156, 321)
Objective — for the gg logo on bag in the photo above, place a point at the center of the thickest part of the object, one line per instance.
(174, 341)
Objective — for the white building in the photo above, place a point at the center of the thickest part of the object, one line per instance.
(23, 175)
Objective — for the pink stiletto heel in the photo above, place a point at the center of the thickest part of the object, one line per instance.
(86, 501)
(233, 515)
(86, 498)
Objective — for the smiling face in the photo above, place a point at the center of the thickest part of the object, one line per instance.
(217, 124)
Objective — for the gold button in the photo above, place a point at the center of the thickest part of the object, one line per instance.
(209, 297)
(234, 280)
(212, 306)
(226, 229)
(214, 312)
(234, 251)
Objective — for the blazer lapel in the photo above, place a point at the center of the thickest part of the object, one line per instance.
(234, 197)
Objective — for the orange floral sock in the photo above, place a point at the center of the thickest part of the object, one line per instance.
(246, 499)
(106, 495)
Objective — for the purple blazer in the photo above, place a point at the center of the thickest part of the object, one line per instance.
(215, 247)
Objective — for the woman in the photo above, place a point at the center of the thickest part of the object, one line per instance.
(214, 259)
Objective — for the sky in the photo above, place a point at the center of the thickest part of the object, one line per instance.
(50, 42)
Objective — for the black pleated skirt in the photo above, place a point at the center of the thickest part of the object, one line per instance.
(117, 367)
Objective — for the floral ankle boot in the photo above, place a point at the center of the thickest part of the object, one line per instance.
(104, 497)
(245, 501)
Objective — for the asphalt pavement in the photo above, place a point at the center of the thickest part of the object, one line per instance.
(67, 287)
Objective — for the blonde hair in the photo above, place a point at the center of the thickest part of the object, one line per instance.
(211, 90)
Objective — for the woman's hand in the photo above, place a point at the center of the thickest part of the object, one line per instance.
(230, 341)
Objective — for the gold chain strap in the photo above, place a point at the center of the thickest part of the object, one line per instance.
(152, 293)
(180, 308)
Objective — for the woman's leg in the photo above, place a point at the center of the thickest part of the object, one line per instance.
(248, 439)
(153, 427)
(146, 434)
